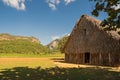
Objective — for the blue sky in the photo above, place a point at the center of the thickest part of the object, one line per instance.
(44, 19)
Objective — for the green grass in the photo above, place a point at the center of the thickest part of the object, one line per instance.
(15, 55)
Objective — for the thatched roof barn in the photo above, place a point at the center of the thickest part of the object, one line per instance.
(90, 44)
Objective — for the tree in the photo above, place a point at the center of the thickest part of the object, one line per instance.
(62, 42)
(112, 8)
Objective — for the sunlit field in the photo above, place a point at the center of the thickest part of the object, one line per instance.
(50, 67)
(30, 60)
(15, 55)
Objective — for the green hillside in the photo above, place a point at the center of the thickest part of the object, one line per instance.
(20, 44)
(6, 36)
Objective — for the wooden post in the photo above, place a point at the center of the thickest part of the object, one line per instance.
(109, 59)
(100, 60)
(84, 58)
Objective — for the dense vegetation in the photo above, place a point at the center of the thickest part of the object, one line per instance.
(112, 9)
(6, 36)
(21, 46)
(62, 42)
(27, 45)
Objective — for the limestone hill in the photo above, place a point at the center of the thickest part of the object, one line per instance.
(58, 44)
(6, 36)
(21, 44)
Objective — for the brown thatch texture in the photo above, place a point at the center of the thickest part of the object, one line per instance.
(88, 36)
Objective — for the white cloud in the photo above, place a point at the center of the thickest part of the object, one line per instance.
(52, 6)
(116, 7)
(55, 37)
(66, 34)
(59, 36)
(68, 1)
(53, 3)
(18, 4)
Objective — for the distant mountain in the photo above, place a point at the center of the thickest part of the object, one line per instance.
(21, 44)
(6, 36)
(53, 44)
(58, 44)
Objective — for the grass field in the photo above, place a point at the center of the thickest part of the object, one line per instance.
(50, 67)
(31, 60)
(15, 55)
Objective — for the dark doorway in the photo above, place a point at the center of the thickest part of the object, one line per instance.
(87, 57)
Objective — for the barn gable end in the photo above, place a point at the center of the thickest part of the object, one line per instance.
(90, 44)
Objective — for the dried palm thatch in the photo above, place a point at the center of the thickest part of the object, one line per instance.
(89, 43)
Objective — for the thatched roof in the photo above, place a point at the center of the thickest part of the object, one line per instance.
(89, 36)
(114, 34)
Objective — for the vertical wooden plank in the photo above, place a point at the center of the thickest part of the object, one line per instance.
(109, 59)
(100, 59)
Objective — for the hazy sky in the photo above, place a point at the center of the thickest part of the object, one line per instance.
(44, 19)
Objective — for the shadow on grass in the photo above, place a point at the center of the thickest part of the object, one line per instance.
(56, 73)
(61, 60)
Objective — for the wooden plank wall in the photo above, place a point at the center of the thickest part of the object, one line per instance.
(95, 59)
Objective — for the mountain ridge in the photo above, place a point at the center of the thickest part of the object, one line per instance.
(8, 37)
